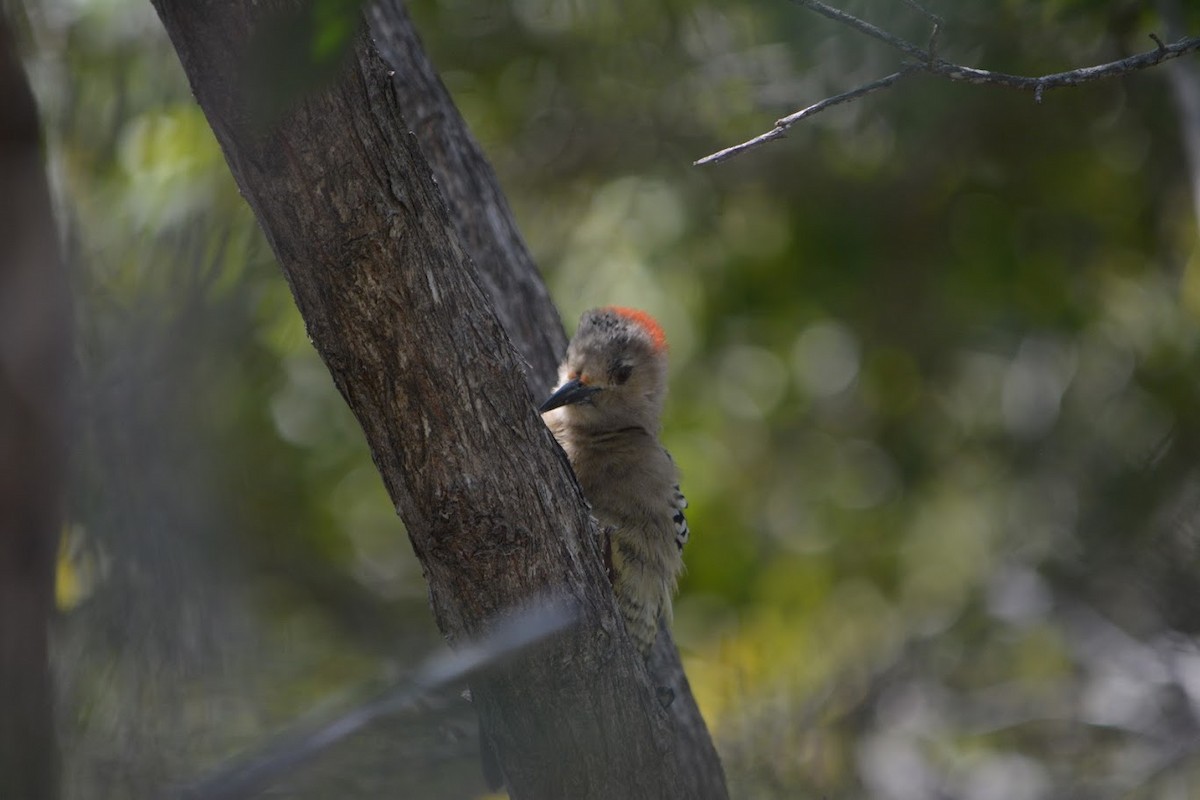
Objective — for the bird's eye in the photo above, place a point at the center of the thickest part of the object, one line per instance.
(622, 373)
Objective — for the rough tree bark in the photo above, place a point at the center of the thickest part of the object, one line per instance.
(35, 335)
(379, 264)
(478, 210)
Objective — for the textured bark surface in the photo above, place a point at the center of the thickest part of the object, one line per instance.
(381, 274)
(478, 210)
(34, 354)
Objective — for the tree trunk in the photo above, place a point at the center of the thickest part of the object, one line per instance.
(478, 210)
(34, 355)
(380, 264)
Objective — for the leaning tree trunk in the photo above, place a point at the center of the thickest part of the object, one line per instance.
(380, 264)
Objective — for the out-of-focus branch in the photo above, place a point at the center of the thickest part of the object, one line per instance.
(34, 357)
(1185, 83)
(252, 773)
(927, 61)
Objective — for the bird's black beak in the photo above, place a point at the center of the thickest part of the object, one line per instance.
(573, 391)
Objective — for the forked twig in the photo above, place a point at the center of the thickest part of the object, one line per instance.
(927, 61)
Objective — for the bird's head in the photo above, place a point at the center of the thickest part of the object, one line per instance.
(615, 371)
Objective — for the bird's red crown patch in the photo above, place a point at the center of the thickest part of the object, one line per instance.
(646, 322)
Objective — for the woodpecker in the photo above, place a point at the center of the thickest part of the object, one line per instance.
(605, 413)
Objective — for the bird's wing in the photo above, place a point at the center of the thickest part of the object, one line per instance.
(678, 504)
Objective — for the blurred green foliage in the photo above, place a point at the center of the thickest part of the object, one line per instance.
(934, 392)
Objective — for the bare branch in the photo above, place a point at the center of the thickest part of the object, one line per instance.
(932, 17)
(928, 62)
(1074, 77)
(862, 26)
(1185, 83)
(781, 126)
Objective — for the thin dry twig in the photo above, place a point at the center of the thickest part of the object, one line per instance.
(928, 62)
(781, 125)
(933, 18)
(864, 27)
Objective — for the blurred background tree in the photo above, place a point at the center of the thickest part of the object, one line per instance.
(934, 396)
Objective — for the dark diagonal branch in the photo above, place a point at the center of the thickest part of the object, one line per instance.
(864, 27)
(928, 62)
(252, 773)
(35, 356)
